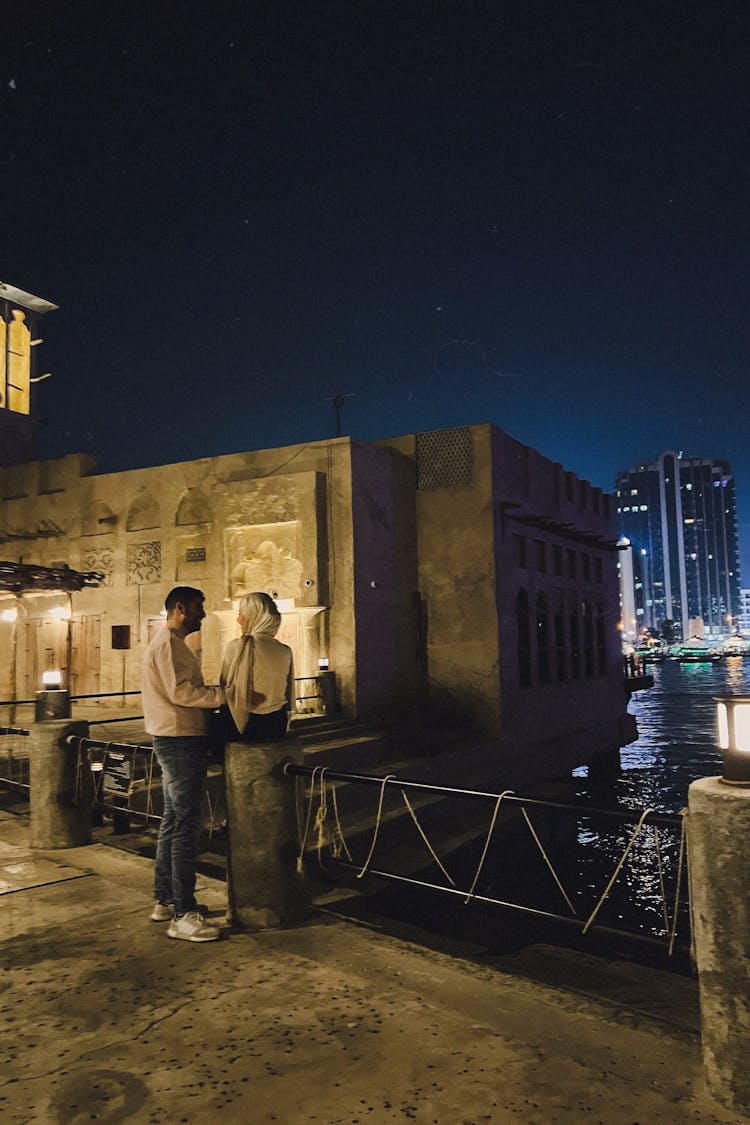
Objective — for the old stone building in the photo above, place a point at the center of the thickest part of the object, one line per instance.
(456, 576)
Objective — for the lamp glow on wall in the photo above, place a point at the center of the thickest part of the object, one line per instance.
(733, 721)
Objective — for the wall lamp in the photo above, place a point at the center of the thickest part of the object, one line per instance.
(733, 722)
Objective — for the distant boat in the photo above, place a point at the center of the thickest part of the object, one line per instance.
(650, 654)
(695, 651)
(736, 645)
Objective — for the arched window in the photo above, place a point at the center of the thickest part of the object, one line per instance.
(601, 642)
(144, 513)
(576, 654)
(98, 519)
(560, 661)
(194, 508)
(543, 639)
(523, 624)
(589, 649)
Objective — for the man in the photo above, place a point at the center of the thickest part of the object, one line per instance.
(176, 702)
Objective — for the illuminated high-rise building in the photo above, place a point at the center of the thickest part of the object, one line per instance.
(679, 518)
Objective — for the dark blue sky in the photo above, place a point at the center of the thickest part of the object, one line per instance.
(453, 212)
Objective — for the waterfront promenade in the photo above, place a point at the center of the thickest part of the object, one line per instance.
(102, 1018)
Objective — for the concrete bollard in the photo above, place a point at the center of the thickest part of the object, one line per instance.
(264, 888)
(718, 831)
(60, 790)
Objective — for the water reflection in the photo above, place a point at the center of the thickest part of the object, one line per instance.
(676, 746)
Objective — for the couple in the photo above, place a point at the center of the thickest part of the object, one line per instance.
(255, 695)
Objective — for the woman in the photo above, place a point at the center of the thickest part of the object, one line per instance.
(257, 675)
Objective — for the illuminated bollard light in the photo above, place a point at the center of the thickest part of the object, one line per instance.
(719, 828)
(733, 722)
(264, 887)
(53, 702)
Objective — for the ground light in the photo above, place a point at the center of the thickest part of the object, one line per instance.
(733, 722)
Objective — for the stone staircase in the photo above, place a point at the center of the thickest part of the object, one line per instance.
(455, 826)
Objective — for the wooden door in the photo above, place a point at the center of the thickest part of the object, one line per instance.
(85, 676)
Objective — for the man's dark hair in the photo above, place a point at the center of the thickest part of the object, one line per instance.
(182, 594)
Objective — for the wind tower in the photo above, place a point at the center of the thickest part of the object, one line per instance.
(19, 316)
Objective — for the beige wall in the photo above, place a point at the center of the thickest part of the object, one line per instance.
(216, 523)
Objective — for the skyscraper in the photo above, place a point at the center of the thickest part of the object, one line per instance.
(677, 525)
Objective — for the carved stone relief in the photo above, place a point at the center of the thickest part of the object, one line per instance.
(144, 563)
(263, 557)
(276, 498)
(101, 559)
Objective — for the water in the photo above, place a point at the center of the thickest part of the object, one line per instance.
(677, 732)
(676, 746)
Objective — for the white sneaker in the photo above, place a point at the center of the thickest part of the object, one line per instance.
(192, 927)
(164, 912)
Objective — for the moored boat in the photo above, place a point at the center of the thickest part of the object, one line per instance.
(736, 645)
(695, 651)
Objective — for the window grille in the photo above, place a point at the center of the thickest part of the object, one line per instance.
(444, 459)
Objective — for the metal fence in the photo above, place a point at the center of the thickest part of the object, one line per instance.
(525, 831)
(14, 758)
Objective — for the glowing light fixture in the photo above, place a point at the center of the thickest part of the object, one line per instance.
(733, 722)
(323, 664)
(52, 678)
(60, 613)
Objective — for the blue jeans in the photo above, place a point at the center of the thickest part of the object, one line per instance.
(183, 763)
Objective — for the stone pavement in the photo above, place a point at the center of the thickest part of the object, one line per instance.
(103, 1018)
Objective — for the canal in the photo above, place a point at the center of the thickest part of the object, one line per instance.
(677, 732)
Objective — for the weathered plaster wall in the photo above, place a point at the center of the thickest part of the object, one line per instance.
(385, 578)
(222, 524)
(569, 719)
(456, 575)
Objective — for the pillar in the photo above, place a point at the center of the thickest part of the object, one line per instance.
(718, 832)
(264, 888)
(60, 790)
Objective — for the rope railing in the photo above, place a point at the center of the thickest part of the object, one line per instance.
(333, 835)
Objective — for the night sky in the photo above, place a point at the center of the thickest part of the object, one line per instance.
(451, 212)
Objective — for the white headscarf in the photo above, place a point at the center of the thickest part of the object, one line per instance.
(260, 613)
(261, 618)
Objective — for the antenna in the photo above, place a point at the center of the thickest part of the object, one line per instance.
(338, 402)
